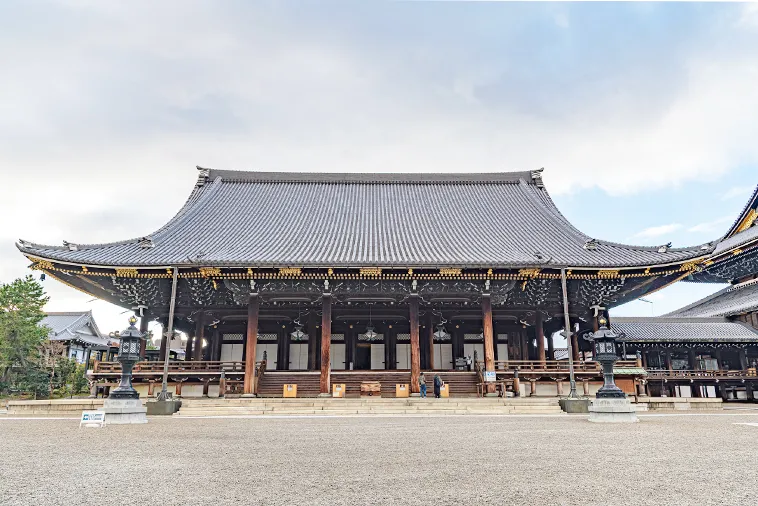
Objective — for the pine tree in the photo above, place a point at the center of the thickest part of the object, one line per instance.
(21, 304)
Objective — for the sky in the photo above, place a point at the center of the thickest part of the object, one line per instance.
(643, 115)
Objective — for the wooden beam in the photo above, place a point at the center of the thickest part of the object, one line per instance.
(253, 307)
(550, 347)
(415, 353)
(326, 341)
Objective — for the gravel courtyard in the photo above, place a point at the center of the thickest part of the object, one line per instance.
(702, 459)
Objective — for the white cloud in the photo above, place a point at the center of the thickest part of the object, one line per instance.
(737, 192)
(658, 231)
(717, 225)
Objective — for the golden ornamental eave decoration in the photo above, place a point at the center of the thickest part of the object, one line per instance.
(748, 222)
(450, 272)
(529, 273)
(371, 271)
(39, 264)
(689, 266)
(126, 272)
(607, 273)
(207, 272)
(290, 271)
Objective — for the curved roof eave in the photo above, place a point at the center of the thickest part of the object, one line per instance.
(210, 182)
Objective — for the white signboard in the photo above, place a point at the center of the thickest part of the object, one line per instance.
(490, 376)
(92, 419)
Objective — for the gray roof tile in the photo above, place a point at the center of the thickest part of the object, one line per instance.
(350, 220)
(730, 301)
(683, 329)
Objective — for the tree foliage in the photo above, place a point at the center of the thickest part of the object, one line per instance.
(21, 304)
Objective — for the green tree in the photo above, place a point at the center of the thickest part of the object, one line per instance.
(21, 304)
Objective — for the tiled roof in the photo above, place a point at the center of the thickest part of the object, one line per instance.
(657, 329)
(353, 220)
(730, 301)
(74, 326)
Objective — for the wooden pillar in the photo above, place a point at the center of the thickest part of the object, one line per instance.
(200, 335)
(391, 342)
(164, 343)
(190, 343)
(559, 387)
(524, 344)
(326, 341)
(532, 388)
(550, 347)
(586, 386)
(313, 341)
(251, 342)
(489, 347)
(415, 354)
(430, 341)
(575, 346)
(540, 331)
(216, 345)
(143, 321)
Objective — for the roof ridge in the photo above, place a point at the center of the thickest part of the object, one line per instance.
(514, 177)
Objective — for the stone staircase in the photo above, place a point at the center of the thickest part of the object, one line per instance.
(462, 384)
(369, 406)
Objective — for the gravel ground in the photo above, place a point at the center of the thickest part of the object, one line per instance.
(700, 459)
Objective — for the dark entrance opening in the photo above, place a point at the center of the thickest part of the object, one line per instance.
(363, 356)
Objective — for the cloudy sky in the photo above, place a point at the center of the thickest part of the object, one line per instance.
(643, 115)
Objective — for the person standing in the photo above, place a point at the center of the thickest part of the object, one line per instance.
(437, 386)
(422, 385)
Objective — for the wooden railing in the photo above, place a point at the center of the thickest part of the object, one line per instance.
(259, 370)
(547, 366)
(174, 367)
(700, 374)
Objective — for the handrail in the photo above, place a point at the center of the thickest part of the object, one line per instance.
(547, 366)
(697, 373)
(175, 366)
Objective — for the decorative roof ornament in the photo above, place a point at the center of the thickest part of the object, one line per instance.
(591, 244)
(145, 242)
(664, 248)
(537, 177)
(71, 246)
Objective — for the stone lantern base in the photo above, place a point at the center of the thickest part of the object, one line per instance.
(124, 411)
(612, 410)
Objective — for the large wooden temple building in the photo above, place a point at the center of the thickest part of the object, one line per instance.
(317, 278)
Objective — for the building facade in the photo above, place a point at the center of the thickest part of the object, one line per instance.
(324, 273)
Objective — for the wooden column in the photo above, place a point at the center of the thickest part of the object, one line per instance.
(575, 346)
(143, 321)
(164, 343)
(326, 341)
(430, 341)
(489, 347)
(312, 341)
(550, 347)
(199, 336)
(540, 331)
(188, 348)
(251, 342)
(216, 345)
(415, 355)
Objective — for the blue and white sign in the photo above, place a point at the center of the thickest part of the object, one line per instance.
(92, 419)
(490, 376)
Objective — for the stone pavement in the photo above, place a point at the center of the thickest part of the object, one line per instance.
(542, 460)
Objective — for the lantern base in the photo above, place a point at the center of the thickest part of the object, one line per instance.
(123, 411)
(614, 410)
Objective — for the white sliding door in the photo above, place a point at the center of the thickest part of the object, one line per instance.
(271, 350)
(403, 356)
(377, 356)
(443, 356)
(337, 356)
(298, 356)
